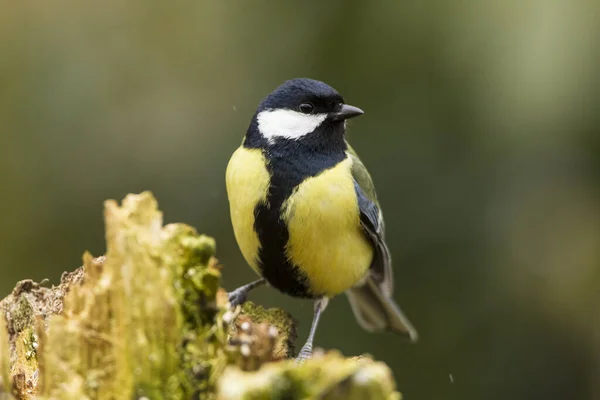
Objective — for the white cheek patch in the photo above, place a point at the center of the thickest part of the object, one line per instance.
(288, 124)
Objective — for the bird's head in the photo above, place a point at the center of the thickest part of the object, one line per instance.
(302, 107)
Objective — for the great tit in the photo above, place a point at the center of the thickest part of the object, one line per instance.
(305, 212)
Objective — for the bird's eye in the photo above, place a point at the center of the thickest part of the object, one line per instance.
(306, 108)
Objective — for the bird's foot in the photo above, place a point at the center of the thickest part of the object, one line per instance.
(305, 353)
(237, 297)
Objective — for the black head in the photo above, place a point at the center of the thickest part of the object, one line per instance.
(304, 110)
(308, 96)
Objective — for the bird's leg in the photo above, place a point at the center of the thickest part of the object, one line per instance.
(239, 295)
(306, 351)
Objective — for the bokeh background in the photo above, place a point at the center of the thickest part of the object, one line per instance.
(481, 130)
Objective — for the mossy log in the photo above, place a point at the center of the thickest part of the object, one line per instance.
(150, 321)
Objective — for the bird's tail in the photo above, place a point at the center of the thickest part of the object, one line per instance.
(377, 312)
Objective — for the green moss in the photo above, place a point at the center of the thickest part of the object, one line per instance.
(25, 368)
(280, 319)
(21, 315)
(25, 345)
(198, 249)
(196, 283)
(30, 344)
(328, 376)
(119, 333)
(146, 323)
(150, 320)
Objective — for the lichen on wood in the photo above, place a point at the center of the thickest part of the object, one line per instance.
(26, 311)
(150, 321)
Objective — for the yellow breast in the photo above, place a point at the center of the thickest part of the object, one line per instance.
(247, 181)
(326, 239)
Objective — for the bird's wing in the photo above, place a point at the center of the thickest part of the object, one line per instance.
(372, 223)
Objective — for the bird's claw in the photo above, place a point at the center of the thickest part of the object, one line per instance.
(305, 354)
(237, 297)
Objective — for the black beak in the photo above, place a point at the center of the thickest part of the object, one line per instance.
(347, 112)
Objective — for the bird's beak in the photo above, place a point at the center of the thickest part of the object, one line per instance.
(347, 112)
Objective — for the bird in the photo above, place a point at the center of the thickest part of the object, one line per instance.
(304, 209)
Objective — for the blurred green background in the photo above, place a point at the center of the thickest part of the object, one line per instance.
(481, 130)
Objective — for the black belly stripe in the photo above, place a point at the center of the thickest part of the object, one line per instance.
(289, 163)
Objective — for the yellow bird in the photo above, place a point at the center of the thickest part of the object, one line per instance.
(305, 212)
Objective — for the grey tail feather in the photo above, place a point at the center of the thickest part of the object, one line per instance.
(377, 312)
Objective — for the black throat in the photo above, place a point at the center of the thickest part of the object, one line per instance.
(289, 163)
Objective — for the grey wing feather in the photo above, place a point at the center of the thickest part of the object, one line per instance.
(372, 223)
(371, 301)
